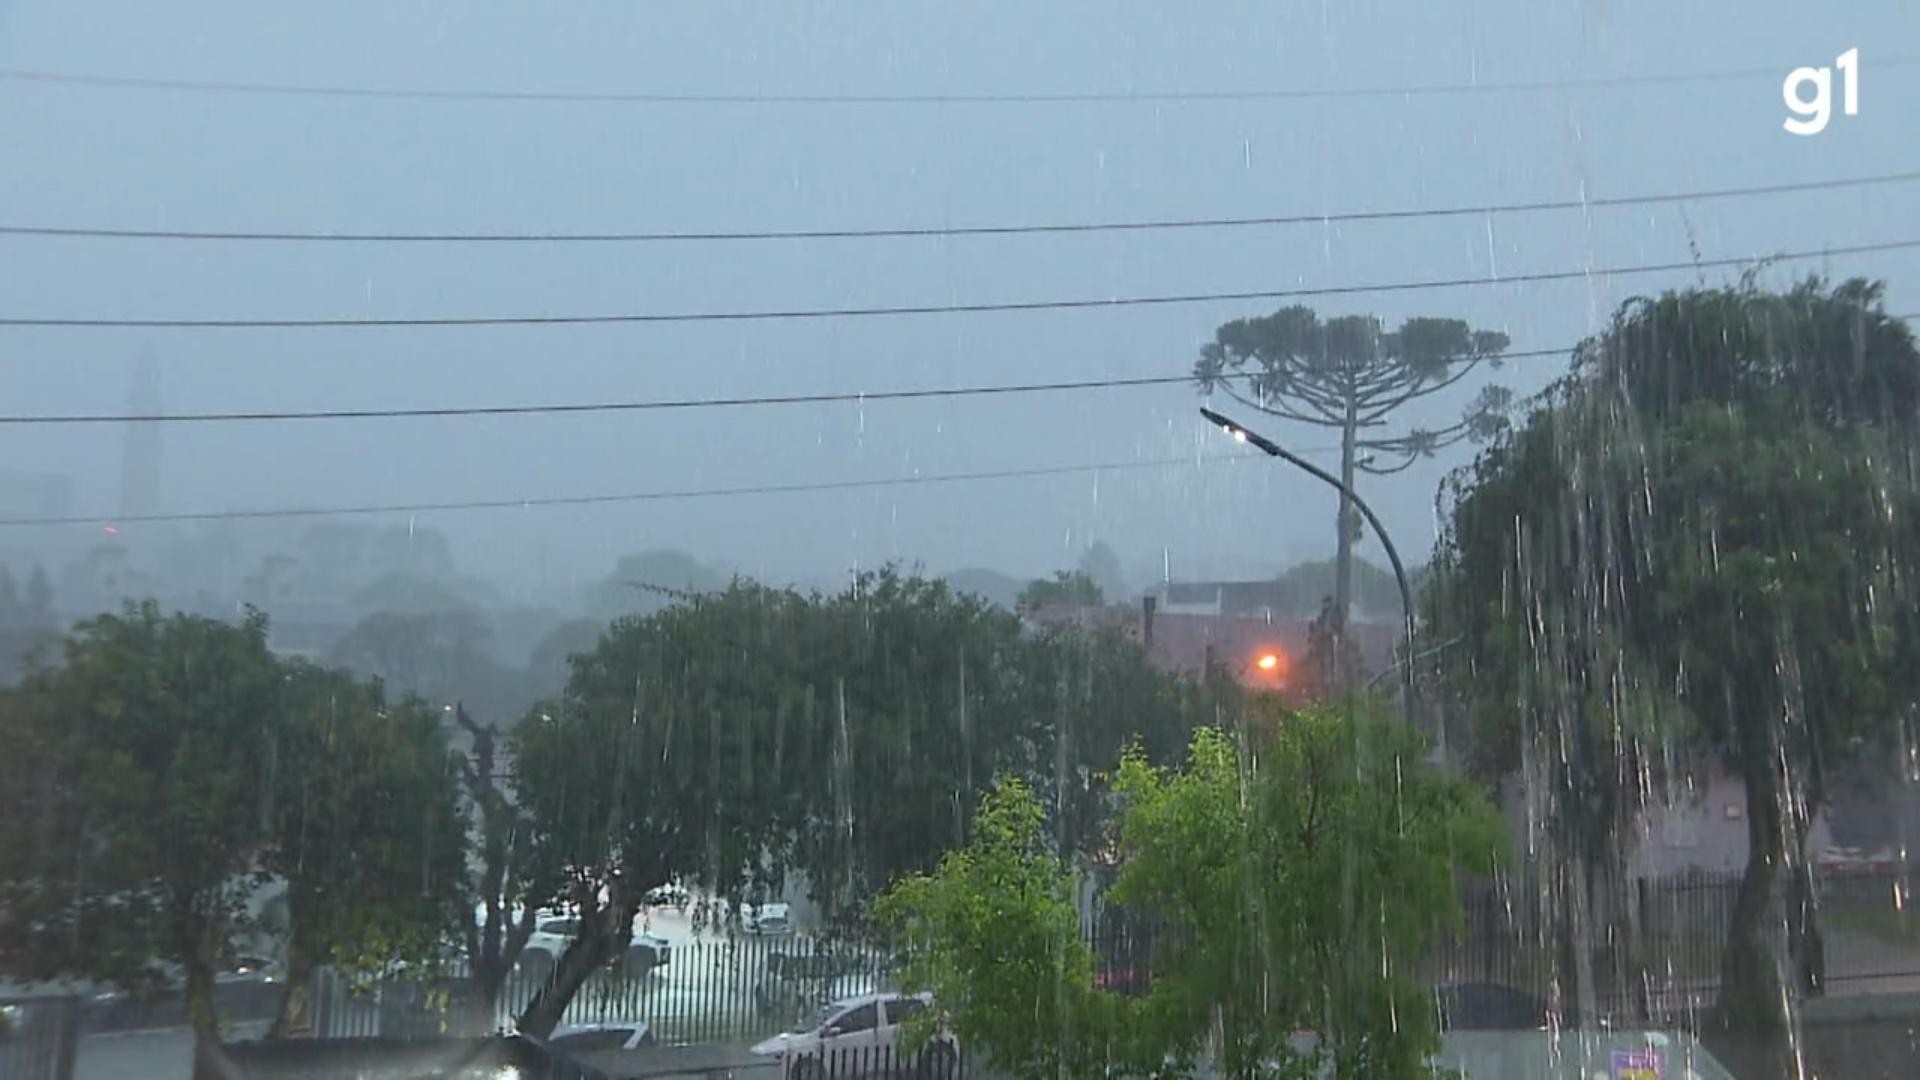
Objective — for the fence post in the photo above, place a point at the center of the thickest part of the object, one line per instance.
(69, 1048)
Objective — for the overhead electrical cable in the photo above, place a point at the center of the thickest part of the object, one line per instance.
(907, 310)
(910, 232)
(1471, 87)
(642, 496)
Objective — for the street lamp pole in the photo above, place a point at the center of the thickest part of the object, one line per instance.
(1273, 449)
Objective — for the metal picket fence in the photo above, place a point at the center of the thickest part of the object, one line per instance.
(1655, 956)
(710, 990)
(39, 1037)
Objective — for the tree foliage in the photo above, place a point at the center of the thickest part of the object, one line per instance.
(171, 769)
(1291, 897)
(440, 656)
(367, 833)
(1067, 588)
(1700, 539)
(647, 581)
(1301, 871)
(736, 736)
(1351, 373)
(994, 934)
(140, 814)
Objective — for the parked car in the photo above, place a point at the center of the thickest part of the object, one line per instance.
(553, 931)
(673, 896)
(798, 984)
(861, 1036)
(767, 919)
(244, 988)
(586, 1038)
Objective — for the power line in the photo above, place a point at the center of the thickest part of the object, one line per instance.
(1163, 224)
(1409, 90)
(562, 408)
(855, 397)
(954, 309)
(609, 406)
(644, 496)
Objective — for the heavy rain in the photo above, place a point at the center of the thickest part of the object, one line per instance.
(971, 542)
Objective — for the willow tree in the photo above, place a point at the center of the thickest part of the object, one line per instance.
(1351, 374)
(1703, 541)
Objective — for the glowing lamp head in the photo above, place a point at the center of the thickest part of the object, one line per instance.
(1268, 662)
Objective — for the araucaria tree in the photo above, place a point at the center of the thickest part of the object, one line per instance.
(1350, 373)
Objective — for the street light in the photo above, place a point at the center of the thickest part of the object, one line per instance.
(1241, 434)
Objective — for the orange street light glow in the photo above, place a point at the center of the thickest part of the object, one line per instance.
(1269, 662)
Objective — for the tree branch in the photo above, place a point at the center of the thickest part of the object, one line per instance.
(1290, 378)
(1422, 389)
(1278, 408)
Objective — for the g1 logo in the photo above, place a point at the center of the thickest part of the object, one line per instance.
(1810, 116)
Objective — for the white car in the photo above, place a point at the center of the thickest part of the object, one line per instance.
(860, 1036)
(767, 919)
(553, 931)
(587, 1038)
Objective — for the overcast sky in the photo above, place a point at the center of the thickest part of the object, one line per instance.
(83, 155)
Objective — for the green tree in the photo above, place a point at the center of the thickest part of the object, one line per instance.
(369, 840)
(511, 873)
(989, 585)
(1701, 540)
(994, 934)
(1088, 696)
(1300, 871)
(645, 582)
(549, 662)
(441, 656)
(140, 816)
(1350, 373)
(848, 737)
(1068, 588)
(670, 756)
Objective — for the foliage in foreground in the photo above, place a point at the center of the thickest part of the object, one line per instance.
(1301, 871)
(994, 935)
(1297, 876)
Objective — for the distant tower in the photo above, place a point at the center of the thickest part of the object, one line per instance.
(140, 444)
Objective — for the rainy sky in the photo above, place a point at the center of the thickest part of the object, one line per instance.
(91, 155)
